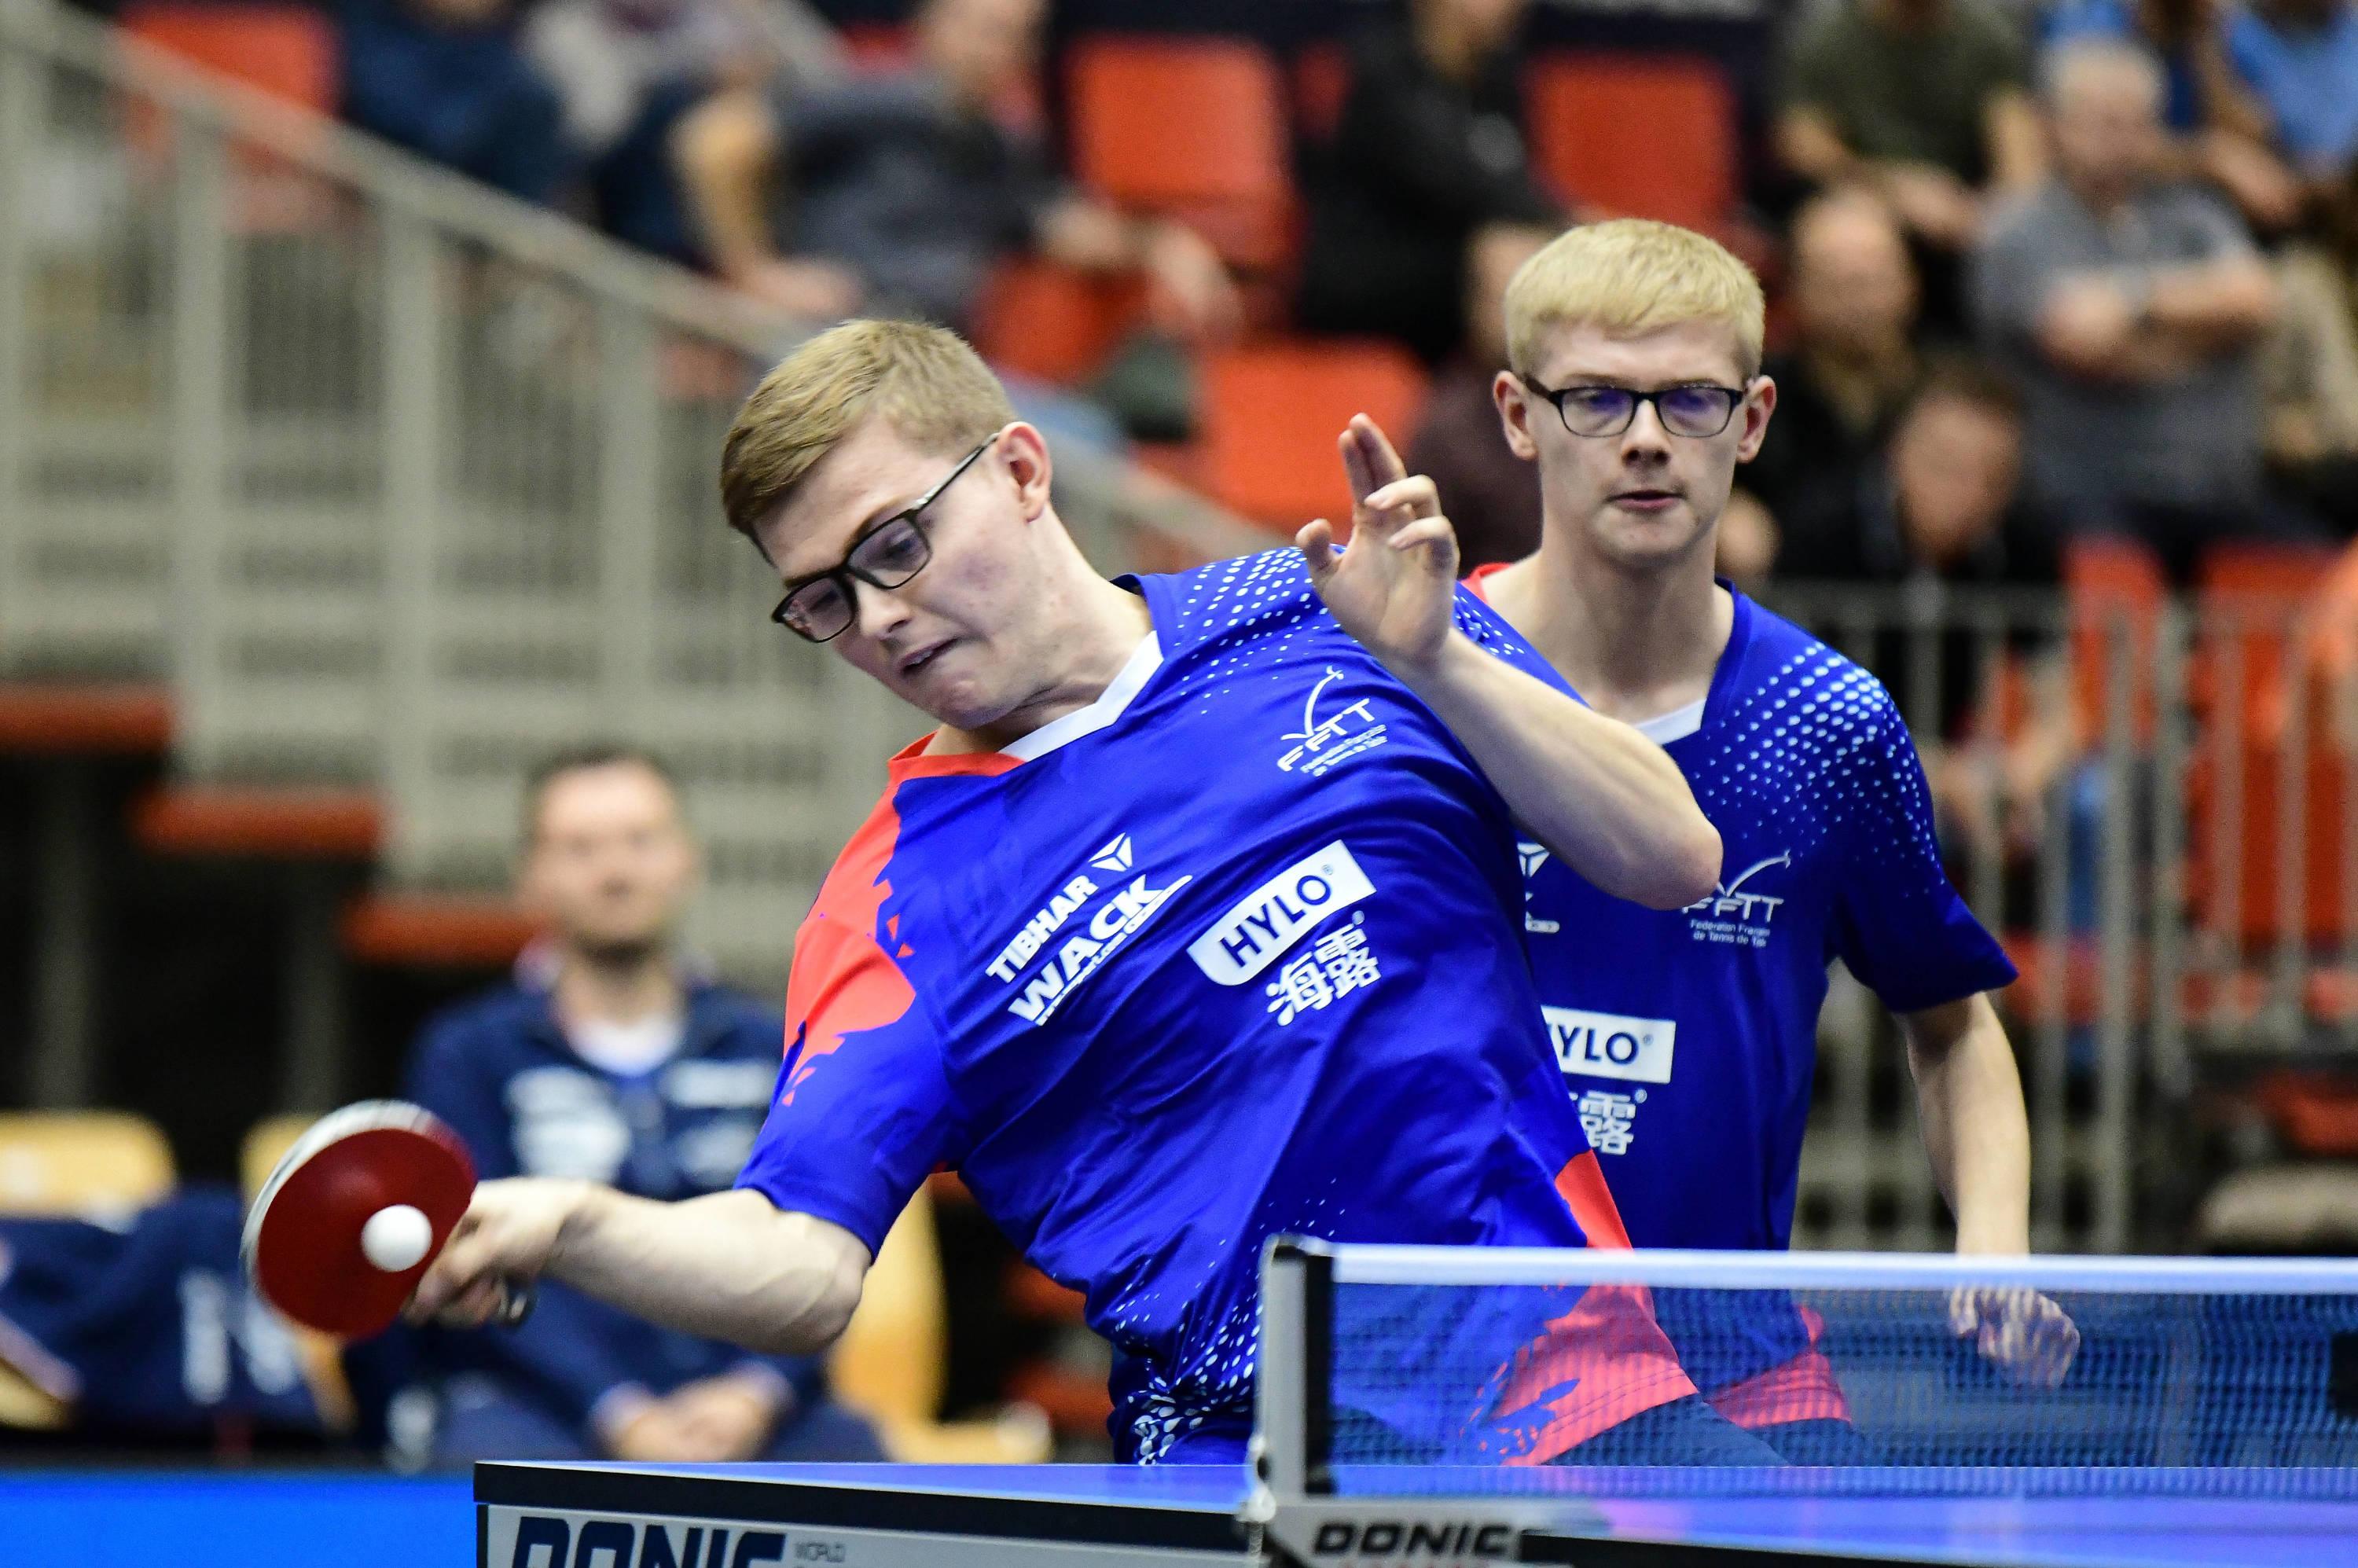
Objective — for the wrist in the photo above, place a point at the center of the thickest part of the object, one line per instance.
(1434, 672)
(1993, 1238)
(582, 1206)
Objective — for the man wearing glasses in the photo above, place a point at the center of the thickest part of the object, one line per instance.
(1688, 1036)
(1196, 920)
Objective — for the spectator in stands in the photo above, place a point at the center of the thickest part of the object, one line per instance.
(1427, 163)
(445, 79)
(1492, 496)
(1853, 358)
(2301, 60)
(609, 1061)
(2128, 306)
(1925, 101)
(625, 71)
(1940, 507)
(2218, 131)
(2309, 371)
(901, 191)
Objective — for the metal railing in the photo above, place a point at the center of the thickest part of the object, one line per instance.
(402, 483)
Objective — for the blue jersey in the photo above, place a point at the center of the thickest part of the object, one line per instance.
(1236, 950)
(1688, 1037)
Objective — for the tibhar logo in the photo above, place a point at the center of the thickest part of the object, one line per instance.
(1274, 916)
(1322, 744)
(1752, 912)
(1534, 856)
(1116, 914)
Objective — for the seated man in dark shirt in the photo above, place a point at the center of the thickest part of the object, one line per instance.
(896, 194)
(1938, 510)
(1428, 158)
(1852, 363)
(612, 1062)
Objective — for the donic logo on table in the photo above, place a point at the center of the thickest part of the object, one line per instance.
(1274, 916)
(555, 1540)
(1091, 917)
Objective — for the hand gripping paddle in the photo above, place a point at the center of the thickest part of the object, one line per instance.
(354, 1214)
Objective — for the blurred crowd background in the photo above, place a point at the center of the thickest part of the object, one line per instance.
(373, 665)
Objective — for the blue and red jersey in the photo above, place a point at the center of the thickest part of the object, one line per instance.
(1235, 951)
(1688, 1037)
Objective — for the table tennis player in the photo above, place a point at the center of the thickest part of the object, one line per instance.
(1195, 920)
(610, 1059)
(1688, 1036)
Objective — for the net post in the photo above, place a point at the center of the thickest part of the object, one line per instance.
(1293, 1432)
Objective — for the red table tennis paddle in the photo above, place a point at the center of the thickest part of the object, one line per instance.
(354, 1214)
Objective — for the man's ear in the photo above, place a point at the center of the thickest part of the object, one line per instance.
(1025, 452)
(1514, 401)
(1759, 403)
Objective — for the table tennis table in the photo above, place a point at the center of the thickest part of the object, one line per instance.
(1071, 1515)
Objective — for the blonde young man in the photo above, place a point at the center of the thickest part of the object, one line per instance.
(1196, 920)
(1688, 1036)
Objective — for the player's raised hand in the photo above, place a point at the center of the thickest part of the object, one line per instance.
(502, 1241)
(2019, 1329)
(1394, 589)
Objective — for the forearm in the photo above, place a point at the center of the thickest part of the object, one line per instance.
(728, 1265)
(2014, 142)
(2209, 310)
(725, 150)
(1809, 145)
(1969, 1098)
(1605, 800)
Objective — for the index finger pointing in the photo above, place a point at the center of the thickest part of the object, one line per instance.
(1384, 465)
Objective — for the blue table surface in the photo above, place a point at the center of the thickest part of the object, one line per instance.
(2151, 1520)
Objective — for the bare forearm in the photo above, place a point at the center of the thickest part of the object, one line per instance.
(1810, 146)
(1969, 1098)
(1608, 801)
(2211, 308)
(726, 150)
(728, 1265)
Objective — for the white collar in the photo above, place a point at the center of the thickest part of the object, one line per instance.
(1144, 660)
(1676, 725)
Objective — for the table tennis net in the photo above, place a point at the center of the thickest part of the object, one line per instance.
(2053, 1374)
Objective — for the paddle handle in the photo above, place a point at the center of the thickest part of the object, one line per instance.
(516, 1298)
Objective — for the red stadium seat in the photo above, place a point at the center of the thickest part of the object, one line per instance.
(1270, 413)
(1051, 322)
(288, 53)
(1638, 137)
(1188, 128)
(2114, 587)
(1322, 86)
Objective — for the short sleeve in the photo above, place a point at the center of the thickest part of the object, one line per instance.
(863, 1111)
(1810, 67)
(2007, 286)
(1898, 924)
(2216, 233)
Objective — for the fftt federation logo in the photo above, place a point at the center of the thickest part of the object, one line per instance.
(1321, 744)
(1735, 915)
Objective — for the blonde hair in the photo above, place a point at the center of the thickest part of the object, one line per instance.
(923, 380)
(1633, 276)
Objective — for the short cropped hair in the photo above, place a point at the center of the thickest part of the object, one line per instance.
(1961, 378)
(925, 381)
(2066, 66)
(583, 759)
(1632, 276)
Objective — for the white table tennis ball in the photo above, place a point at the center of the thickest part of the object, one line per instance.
(395, 1239)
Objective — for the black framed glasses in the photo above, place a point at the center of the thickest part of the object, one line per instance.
(1697, 409)
(822, 606)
